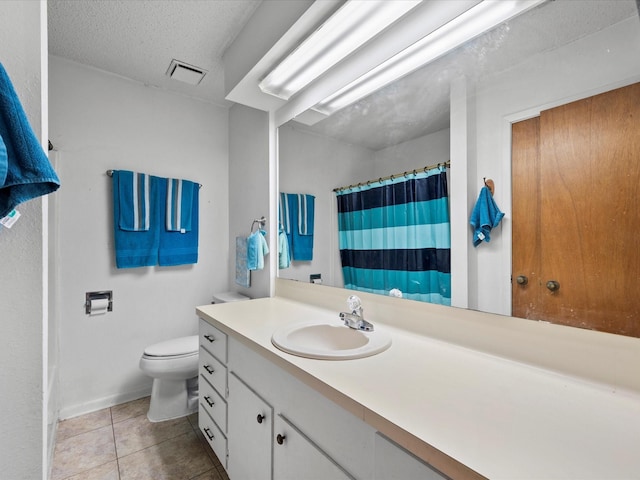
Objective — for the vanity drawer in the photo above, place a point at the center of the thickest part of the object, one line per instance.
(214, 436)
(214, 371)
(214, 404)
(213, 340)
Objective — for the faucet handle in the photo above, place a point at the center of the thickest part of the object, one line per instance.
(354, 303)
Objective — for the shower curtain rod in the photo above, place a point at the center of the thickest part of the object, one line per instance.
(391, 177)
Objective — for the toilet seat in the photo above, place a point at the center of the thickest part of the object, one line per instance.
(175, 348)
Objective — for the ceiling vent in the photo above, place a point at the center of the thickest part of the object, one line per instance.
(185, 73)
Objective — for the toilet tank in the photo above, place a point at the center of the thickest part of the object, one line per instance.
(226, 297)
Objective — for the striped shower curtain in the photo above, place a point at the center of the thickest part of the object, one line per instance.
(395, 234)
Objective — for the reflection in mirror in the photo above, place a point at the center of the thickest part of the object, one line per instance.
(554, 54)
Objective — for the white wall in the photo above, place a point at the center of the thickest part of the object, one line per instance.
(99, 122)
(595, 64)
(23, 375)
(248, 189)
(413, 154)
(314, 164)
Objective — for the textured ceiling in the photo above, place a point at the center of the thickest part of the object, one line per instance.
(138, 38)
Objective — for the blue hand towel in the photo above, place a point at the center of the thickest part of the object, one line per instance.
(257, 248)
(134, 197)
(284, 260)
(136, 248)
(179, 204)
(485, 216)
(243, 276)
(25, 171)
(178, 247)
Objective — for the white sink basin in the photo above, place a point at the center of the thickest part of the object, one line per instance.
(325, 341)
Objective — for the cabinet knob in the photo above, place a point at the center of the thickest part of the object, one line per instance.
(260, 418)
(553, 285)
(280, 439)
(210, 338)
(209, 401)
(522, 280)
(208, 369)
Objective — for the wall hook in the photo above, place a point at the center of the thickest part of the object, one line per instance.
(489, 184)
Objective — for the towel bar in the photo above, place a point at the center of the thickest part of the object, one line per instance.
(110, 174)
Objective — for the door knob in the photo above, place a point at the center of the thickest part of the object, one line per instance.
(522, 280)
(553, 285)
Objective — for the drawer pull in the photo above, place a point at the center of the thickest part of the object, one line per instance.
(260, 418)
(209, 401)
(280, 439)
(208, 369)
(210, 337)
(209, 434)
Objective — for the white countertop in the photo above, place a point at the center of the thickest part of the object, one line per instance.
(463, 411)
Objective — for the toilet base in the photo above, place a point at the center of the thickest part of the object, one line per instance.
(172, 399)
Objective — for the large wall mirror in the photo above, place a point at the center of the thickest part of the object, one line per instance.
(554, 54)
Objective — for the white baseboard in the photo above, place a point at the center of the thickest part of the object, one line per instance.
(105, 402)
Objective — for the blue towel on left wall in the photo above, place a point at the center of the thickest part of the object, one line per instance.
(134, 248)
(25, 171)
(178, 247)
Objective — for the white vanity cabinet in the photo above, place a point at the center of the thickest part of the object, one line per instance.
(212, 386)
(265, 424)
(309, 437)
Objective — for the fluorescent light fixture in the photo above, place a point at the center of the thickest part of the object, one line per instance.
(472, 23)
(354, 24)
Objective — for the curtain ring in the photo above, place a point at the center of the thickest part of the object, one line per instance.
(380, 180)
(414, 173)
(368, 183)
(391, 178)
(405, 174)
(425, 169)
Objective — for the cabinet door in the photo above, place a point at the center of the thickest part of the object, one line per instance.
(295, 456)
(250, 427)
(392, 462)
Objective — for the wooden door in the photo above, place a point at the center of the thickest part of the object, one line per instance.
(576, 219)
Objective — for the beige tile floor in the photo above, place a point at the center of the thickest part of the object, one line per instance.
(119, 443)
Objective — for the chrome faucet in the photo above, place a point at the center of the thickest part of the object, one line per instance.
(355, 319)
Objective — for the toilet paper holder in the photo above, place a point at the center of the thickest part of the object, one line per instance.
(105, 294)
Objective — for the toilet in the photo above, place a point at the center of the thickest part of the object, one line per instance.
(173, 365)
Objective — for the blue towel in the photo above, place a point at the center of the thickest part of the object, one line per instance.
(243, 276)
(297, 216)
(25, 171)
(284, 260)
(485, 216)
(134, 197)
(178, 247)
(306, 211)
(179, 204)
(136, 248)
(257, 248)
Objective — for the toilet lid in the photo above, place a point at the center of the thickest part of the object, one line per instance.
(176, 346)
